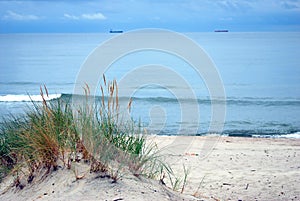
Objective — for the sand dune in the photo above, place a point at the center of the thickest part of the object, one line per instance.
(221, 168)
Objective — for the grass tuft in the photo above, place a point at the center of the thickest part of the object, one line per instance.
(55, 134)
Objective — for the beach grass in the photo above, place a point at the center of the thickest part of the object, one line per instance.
(40, 138)
(55, 134)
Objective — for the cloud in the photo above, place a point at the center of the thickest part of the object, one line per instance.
(16, 16)
(229, 5)
(290, 4)
(94, 16)
(71, 17)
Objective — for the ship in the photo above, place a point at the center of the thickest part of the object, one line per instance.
(221, 30)
(115, 31)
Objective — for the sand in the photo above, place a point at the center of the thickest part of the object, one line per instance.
(221, 168)
(240, 168)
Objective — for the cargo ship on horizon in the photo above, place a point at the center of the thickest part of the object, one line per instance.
(221, 30)
(115, 31)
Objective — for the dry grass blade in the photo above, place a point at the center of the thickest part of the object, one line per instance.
(86, 88)
(104, 79)
(129, 105)
(46, 90)
(102, 97)
(117, 97)
(43, 97)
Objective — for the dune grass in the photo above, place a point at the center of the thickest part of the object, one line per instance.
(56, 134)
(40, 138)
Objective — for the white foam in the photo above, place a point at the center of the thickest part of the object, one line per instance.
(27, 98)
(292, 135)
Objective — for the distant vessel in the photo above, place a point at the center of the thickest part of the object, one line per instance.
(221, 30)
(115, 31)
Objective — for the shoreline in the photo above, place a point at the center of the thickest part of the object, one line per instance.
(292, 135)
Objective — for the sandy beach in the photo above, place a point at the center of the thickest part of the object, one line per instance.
(241, 168)
(232, 169)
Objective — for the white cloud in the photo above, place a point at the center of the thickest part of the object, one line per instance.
(72, 17)
(16, 16)
(94, 16)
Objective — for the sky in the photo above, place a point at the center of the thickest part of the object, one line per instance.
(67, 16)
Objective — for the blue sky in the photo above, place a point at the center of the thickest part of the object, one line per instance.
(178, 15)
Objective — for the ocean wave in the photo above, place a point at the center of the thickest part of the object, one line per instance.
(295, 135)
(246, 101)
(27, 98)
(228, 101)
(292, 135)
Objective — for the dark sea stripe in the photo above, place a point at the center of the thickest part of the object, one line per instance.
(232, 133)
(265, 132)
(20, 83)
(26, 98)
(241, 102)
(35, 83)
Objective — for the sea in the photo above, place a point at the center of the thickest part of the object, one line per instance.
(259, 71)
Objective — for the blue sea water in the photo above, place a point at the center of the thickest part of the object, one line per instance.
(260, 73)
